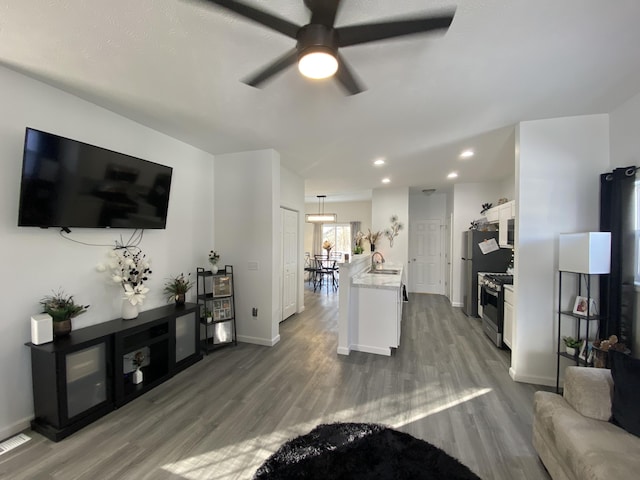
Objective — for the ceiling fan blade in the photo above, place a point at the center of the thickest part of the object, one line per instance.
(263, 18)
(347, 79)
(323, 11)
(379, 31)
(270, 70)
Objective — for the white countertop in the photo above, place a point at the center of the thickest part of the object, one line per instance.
(378, 280)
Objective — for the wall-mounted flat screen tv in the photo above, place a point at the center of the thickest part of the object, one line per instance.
(67, 183)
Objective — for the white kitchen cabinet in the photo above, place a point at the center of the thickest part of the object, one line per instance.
(379, 320)
(492, 215)
(509, 320)
(505, 213)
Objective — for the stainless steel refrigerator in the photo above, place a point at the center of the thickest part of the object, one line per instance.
(474, 261)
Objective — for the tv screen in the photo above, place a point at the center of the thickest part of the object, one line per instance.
(67, 183)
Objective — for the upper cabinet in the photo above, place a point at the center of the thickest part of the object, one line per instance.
(501, 215)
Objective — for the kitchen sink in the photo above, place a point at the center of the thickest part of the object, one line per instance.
(385, 271)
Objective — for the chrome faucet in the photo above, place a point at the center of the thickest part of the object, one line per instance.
(373, 262)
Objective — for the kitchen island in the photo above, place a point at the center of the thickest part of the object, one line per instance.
(376, 309)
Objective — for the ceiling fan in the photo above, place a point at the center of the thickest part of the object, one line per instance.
(318, 42)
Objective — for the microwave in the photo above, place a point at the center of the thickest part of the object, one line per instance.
(511, 232)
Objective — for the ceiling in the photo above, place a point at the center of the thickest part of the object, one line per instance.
(176, 66)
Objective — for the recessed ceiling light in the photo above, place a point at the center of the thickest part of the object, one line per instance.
(379, 161)
(467, 154)
(453, 175)
(386, 180)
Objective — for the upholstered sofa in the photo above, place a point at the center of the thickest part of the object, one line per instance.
(573, 435)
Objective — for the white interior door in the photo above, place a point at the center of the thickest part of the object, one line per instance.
(289, 262)
(426, 257)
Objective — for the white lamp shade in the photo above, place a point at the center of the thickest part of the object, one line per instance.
(588, 252)
(318, 65)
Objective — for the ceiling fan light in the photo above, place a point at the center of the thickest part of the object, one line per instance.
(318, 65)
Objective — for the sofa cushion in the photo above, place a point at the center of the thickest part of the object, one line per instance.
(595, 449)
(626, 391)
(589, 391)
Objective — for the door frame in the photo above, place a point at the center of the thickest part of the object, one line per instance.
(282, 260)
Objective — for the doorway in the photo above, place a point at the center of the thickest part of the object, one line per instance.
(289, 222)
(426, 257)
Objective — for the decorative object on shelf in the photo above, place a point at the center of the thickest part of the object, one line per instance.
(372, 238)
(137, 376)
(62, 309)
(502, 201)
(601, 350)
(129, 267)
(485, 207)
(392, 232)
(572, 345)
(327, 245)
(177, 287)
(583, 305)
(208, 315)
(213, 260)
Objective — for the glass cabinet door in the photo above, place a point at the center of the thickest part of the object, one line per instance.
(86, 378)
(185, 336)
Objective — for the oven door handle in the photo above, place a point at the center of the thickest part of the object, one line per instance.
(493, 293)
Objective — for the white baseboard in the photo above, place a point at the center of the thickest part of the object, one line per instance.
(369, 349)
(456, 304)
(17, 427)
(259, 341)
(344, 350)
(536, 380)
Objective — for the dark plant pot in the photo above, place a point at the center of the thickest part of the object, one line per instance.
(180, 298)
(62, 329)
(373, 247)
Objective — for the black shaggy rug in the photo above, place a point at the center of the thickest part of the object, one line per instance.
(358, 451)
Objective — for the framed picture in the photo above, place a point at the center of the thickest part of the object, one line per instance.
(222, 286)
(586, 352)
(222, 309)
(580, 306)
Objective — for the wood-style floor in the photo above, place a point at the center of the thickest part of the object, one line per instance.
(221, 418)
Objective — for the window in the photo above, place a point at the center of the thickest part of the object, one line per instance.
(339, 235)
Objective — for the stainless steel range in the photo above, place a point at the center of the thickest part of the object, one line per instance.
(492, 301)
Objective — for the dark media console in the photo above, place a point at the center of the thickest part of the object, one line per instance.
(79, 378)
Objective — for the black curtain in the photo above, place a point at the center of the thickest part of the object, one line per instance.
(617, 295)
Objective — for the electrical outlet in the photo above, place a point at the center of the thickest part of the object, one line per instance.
(254, 312)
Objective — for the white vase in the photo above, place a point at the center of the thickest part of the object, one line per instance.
(214, 268)
(129, 311)
(137, 376)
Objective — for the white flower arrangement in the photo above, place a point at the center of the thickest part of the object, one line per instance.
(129, 267)
(213, 257)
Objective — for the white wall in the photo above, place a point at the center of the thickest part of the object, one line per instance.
(35, 262)
(292, 197)
(624, 148)
(385, 203)
(247, 213)
(557, 191)
(346, 211)
(467, 204)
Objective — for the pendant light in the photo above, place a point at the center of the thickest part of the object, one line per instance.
(321, 217)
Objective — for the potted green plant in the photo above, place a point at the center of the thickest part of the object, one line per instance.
(572, 345)
(176, 288)
(62, 309)
(209, 315)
